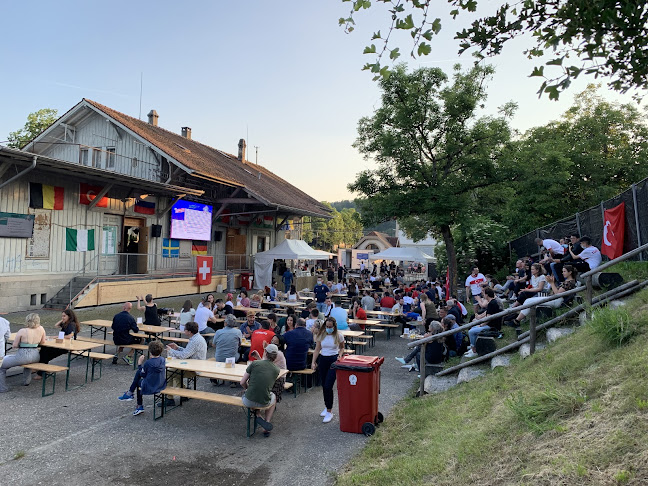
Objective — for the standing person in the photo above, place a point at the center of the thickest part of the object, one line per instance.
(340, 273)
(329, 347)
(257, 381)
(150, 377)
(122, 324)
(321, 292)
(474, 285)
(5, 334)
(27, 341)
(287, 279)
(330, 274)
(151, 317)
(298, 342)
(70, 327)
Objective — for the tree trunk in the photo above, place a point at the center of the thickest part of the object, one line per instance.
(452, 257)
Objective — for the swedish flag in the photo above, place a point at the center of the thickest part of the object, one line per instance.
(170, 248)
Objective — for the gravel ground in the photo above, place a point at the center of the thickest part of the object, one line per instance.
(86, 436)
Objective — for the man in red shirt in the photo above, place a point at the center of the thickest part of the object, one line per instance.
(387, 302)
(259, 337)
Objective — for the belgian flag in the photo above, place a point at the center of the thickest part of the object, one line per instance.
(42, 196)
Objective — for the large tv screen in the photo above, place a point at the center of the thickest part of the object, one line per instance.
(191, 221)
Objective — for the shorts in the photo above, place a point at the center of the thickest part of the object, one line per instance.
(251, 404)
(132, 340)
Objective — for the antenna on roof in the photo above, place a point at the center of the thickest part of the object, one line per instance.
(141, 84)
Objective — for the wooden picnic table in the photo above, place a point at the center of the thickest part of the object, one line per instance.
(207, 366)
(285, 303)
(75, 350)
(350, 334)
(366, 322)
(382, 313)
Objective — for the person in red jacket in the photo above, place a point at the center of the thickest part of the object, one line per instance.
(265, 334)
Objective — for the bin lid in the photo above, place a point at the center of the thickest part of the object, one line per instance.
(361, 363)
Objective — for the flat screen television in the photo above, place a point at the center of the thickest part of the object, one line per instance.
(191, 221)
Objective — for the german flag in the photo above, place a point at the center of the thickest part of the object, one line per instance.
(42, 196)
(198, 248)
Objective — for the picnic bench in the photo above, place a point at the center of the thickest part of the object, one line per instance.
(49, 371)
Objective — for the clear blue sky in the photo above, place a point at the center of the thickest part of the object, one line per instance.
(280, 73)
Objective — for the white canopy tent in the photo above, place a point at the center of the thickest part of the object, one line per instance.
(286, 250)
(402, 254)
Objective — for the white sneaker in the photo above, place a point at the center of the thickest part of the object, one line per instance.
(323, 414)
(470, 354)
(327, 417)
(401, 360)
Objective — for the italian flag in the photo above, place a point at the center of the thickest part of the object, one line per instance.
(79, 240)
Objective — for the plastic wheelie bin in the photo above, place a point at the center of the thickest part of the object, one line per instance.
(358, 384)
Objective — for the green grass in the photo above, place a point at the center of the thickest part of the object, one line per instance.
(19, 455)
(574, 413)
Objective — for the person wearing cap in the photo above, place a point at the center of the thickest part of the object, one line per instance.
(258, 380)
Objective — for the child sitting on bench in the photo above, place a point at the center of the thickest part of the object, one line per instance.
(150, 377)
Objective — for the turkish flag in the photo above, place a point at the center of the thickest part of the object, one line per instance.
(204, 275)
(87, 193)
(613, 231)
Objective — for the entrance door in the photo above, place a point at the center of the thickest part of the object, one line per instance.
(110, 240)
(235, 248)
(134, 242)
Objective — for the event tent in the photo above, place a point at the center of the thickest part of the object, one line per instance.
(402, 254)
(286, 250)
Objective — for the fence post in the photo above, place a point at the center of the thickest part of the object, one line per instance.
(636, 213)
(578, 225)
(588, 291)
(422, 371)
(532, 330)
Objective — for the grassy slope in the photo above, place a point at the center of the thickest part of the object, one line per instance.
(571, 414)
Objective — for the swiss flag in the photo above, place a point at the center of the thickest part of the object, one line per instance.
(613, 231)
(204, 274)
(87, 193)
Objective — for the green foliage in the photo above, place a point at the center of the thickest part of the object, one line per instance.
(617, 326)
(36, 123)
(343, 229)
(590, 37)
(432, 152)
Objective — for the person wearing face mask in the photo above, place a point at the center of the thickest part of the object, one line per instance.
(321, 292)
(329, 347)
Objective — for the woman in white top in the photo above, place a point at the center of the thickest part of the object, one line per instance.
(292, 294)
(188, 312)
(27, 341)
(538, 284)
(329, 347)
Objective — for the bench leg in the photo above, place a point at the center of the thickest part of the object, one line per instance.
(47, 375)
(158, 398)
(251, 417)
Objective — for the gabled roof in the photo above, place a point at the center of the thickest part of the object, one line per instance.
(387, 241)
(219, 166)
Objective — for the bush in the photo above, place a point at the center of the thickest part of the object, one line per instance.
(615, 327)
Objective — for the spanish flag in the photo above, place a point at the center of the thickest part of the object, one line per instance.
(42, 196)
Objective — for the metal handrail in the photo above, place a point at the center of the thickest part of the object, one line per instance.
(611, 263)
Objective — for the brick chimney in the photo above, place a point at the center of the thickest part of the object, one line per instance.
(241, 153)
(186, 132)
(153, 118)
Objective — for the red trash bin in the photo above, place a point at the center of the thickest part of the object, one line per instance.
(245, 280)
(358, 384)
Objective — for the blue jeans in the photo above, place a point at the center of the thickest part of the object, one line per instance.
(321, 307)
(555, 273)
(474, 332)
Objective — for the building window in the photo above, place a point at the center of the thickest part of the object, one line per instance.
(110, 158)
(83, 157)
(32, 299)
(96, 157)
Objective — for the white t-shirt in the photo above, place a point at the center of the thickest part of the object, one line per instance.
(201, 317)
(539, 281)
(592, 256)
(188, 316)
(387, 281)
(329, 346)
(475, 283)
(553, 245)
(310, 323)
(408, 300)
(5, 332)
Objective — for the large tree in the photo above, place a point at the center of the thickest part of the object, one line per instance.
(342, 230)
(36, 123)
(570, 37)
(432, 152)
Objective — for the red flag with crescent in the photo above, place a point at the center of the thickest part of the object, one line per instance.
(613, 231)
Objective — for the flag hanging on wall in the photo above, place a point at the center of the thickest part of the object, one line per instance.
(79, 240)
(204, 272)
(198, 248)
(264, 222)
(613, 231)
(170, 248)
(87, 193)
(42, 196)
(244, 219)
(224, 218)
(144, 207)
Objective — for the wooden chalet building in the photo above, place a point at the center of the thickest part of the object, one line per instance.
(99, 187)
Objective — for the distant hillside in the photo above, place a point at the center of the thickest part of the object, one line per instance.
(388, 227)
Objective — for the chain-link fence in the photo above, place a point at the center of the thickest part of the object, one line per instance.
(590, 223)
